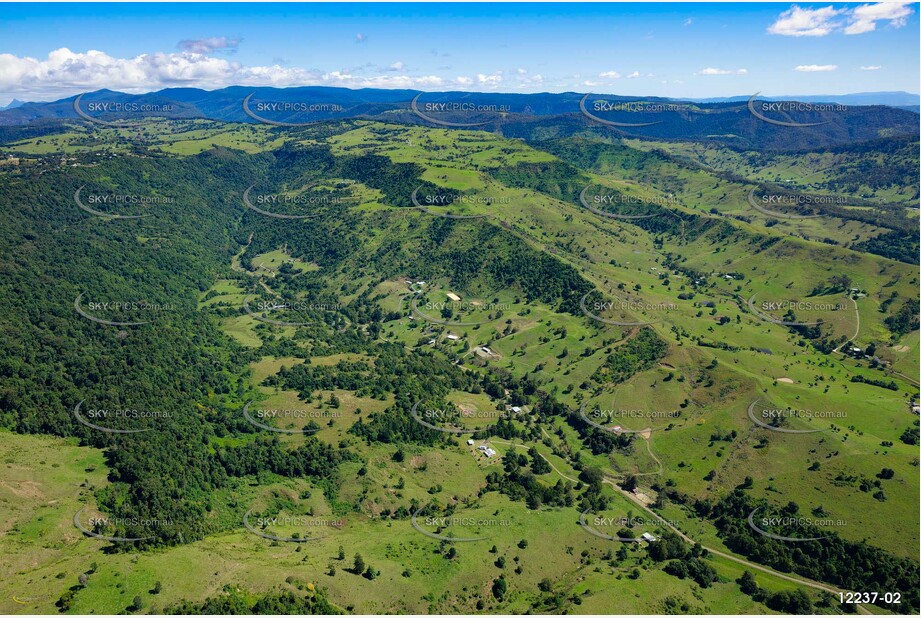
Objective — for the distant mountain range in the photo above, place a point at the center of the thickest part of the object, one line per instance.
(733, 120)
(892, 99)
(12, 104)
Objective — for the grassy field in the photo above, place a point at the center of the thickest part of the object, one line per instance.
(692, 290)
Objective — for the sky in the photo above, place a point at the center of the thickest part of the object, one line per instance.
(51, 51)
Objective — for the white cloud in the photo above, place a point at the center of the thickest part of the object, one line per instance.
(713, 71)
(65, 72)
(530, 80)
(688, 21)
(489, 81)
(521, 71)
(816, 68)
(865, 16)
(797, 21)
(872, 67)
(590, 83)
(610, 75)
(208, 45)
(397, 66)
(463, 81)
(634, 75)
(360, 38)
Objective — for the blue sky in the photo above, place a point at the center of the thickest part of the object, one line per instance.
(49, 51)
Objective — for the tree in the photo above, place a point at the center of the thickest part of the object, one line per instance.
(747, 583)
(359, 565)
(499, 587)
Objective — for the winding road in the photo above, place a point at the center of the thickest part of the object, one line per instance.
(791, 578)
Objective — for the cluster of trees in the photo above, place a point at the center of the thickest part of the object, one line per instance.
(851, 565)
(905, 319)
(638, 354)
(786, 601)
(235, 601)
(184, 385)
(518, 480)
(556, 178)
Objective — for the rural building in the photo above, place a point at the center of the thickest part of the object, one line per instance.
(453, 296)
(647, 537)
(453, 337)
(470, 442)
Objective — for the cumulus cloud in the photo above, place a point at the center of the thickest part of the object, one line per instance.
(397, 66)
(209, 45)
(634, 75)
(865, 16)
(872, 67)
(610, 75)
(816, 68)
(713, 71)
(797, 21)
(65, 72)
(688, 21)
(489, 81)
